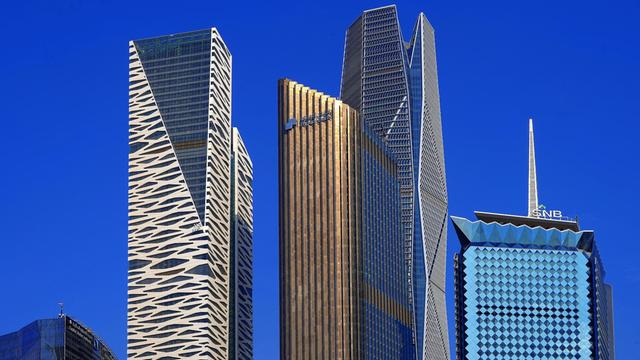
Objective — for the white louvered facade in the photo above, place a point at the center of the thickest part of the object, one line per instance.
(180, 206)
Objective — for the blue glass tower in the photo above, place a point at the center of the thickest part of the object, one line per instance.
(529, 288)
(52, 339)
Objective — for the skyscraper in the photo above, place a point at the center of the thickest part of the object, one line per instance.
(59, 338)
(343, 292)
(530, 287)
(189, 203)
(395, 88)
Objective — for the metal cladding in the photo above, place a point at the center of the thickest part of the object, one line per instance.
(527, 292)
(343, 291)
(395, 88)
(180, 214)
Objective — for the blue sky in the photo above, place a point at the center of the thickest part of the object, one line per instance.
(572, 65)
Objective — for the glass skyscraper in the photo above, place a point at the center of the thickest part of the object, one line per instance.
(343, 292)
(190, 203)
(530, 288)
(54, 339)
(394, 86)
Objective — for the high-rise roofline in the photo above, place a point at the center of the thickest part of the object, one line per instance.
(391, 6)
(176, 34)
(559, 224)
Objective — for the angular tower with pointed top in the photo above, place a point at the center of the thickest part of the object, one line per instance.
(394, 85)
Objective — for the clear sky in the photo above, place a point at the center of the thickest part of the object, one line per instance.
(572, 65)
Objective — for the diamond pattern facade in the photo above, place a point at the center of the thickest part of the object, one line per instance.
(527, 293)
(527, 303)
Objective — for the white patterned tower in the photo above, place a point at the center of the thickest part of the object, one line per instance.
(179, 197)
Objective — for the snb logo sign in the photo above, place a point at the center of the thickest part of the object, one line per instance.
(542, 212)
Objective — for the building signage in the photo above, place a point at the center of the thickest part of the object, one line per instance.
(307, 120)
(542, 212)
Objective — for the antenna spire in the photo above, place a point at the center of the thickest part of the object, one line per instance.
(533, 181)
(61, 315)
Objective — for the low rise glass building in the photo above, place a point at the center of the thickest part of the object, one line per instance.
(54, 339)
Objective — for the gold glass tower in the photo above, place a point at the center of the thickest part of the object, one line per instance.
(343, 292)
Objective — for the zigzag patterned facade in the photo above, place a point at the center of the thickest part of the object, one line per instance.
(179, 197)
(395, 87)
